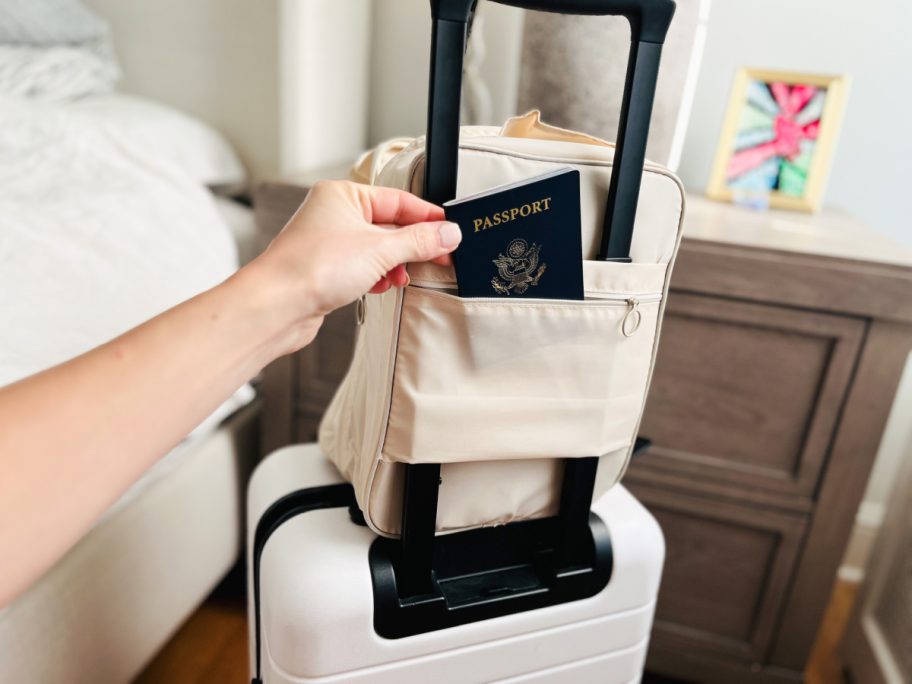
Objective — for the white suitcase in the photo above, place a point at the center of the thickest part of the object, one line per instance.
(314, 618)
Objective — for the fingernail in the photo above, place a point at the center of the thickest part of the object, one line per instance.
(449, 233)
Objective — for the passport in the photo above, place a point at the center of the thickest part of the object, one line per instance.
(521, 240)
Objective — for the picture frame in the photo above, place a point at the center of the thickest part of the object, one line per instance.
(778, 139)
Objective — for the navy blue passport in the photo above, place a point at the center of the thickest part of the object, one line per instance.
(521, 239)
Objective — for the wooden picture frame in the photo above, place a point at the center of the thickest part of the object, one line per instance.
(778, 139)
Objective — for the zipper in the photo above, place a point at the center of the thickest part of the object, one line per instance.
(629, 324)
(360, 310)
(633, 318)
(449, 289)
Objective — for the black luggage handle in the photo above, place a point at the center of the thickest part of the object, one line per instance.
(649, 21)
(652, 17)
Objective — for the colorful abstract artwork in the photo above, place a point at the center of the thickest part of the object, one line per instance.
(779, 129)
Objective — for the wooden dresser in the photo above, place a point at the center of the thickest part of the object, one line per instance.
(782, 346)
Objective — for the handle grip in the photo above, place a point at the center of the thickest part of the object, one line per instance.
(649, 19)
(649, 22)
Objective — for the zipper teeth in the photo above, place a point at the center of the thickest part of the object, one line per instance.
(641, 297)
(614, 298)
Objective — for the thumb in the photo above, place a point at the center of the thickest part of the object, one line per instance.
(421, 242)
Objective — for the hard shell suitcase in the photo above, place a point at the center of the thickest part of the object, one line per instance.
(564, 598)
(312, 607)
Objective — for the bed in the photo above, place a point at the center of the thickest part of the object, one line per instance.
(114, 207)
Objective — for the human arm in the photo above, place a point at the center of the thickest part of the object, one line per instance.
(74, 437)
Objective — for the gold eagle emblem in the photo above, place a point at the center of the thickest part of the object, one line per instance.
(519, 269)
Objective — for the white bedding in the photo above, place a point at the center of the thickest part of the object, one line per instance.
(240, 220)
(96, 234)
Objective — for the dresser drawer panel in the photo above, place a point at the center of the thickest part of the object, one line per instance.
(747, 393)
(727, 569)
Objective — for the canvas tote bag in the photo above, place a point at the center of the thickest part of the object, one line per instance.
(501, 391)
(498, 390)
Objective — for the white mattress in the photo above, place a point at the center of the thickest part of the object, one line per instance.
(98, 233)
(182, 451)
(101, 228)
(95, 236)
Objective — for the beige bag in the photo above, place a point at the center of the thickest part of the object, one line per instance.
(498, 390)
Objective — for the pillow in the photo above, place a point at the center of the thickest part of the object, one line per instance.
(159, 132)
(49, 22)
(54, 73)
(54, 50)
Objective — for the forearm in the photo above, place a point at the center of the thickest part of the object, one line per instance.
(73, 438)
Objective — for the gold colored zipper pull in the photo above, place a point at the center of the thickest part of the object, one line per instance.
(634, 317)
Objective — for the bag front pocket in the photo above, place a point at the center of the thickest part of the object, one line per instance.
(491, 379)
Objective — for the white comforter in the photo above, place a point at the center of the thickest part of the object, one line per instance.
(95, 236)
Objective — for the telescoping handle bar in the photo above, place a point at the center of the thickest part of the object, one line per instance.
(649, 21)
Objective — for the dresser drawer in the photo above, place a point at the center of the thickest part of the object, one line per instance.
(727, 569)
(746, 396)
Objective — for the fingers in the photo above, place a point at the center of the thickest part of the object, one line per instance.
(388, 205)
(398, 277)
(445, 260)
(419, 242)
(380, 286)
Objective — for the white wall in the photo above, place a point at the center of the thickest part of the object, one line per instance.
(401, 43)
(828, 36)
(286, 81)
(305, 83)
(869, 40)
(216, 59)
(324, 75)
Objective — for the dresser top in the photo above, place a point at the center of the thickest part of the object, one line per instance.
(831, 233)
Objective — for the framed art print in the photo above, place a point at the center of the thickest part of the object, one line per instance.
(778, 139)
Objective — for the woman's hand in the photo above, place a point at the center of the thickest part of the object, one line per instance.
(346, 240)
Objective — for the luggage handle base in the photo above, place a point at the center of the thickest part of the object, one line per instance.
(417, 568)
(423, 583)
(487, 573)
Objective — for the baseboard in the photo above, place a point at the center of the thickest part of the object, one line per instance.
(867, 524)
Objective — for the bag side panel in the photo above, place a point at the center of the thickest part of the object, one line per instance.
(355, 420)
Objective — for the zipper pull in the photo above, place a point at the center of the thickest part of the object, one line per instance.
(360, 310)
(634, 317)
